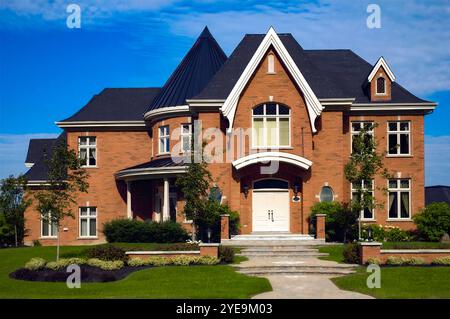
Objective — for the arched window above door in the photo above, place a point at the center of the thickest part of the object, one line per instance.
(271, 184)
(271, 126)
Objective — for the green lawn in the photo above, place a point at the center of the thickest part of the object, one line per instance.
(161, 282)
(415, 245)
(334, 253)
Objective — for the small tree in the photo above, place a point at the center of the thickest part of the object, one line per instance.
(66, 178)
(364, 164)
(13, 205)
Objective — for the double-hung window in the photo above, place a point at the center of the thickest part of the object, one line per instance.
(48, 228)
(357, 127)
(367, 188)
(186, 136)
(164, 139)
(87, 150)
(399, 198)
(88, 222)
(399, 138)
(271, 126)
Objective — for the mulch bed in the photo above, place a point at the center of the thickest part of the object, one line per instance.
(88, 274)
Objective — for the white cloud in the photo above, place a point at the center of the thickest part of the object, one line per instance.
(13, 151)
(437, 160)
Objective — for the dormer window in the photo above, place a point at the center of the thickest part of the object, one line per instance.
(381, 85)
(270, 64)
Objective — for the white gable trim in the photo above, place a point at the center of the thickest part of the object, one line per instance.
(229, 106)
(381, 62)
(265, 157)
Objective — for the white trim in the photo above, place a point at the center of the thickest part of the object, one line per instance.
(271, 38)
(101, 124)
(392, 107)
(166, 111)
(29, 165)
(37, 183)
(165, 139)
(140, 172)
(88, 147)
(381, 62)
(272, 156)
(277, 118)
(337, 101)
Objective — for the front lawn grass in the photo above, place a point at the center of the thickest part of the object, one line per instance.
(220, 281)
(401, 282)
(334, 253)
(415, 245)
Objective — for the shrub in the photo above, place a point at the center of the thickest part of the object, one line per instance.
(210, 218)
(134, 231)
(415, 261)
(181, 260)
(226, 254)
(36, 243)
(388, 233)
(107, 252)
(396, 234)
(63, 263)
(104, 264)
(393, 260)
(35, 263)
(158, 261)
(445, 261)
(374, 261)
(351, 253)
(378, 232)
(176, 261)
(208, 260)
(433, 221)
(137, 262)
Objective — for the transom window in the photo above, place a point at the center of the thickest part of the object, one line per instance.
(271, 125)
(399, 198)
(164, 139)
(399, 138)
(381, 85)
(87, 150)
(48, 228)
(88, 221)
(357, 127)
(186, 136)
(367, 187)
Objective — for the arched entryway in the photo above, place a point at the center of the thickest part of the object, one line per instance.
(271, 212)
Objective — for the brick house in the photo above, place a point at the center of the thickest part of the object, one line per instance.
(281, 120)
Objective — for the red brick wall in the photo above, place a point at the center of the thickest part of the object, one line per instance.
(373, 86)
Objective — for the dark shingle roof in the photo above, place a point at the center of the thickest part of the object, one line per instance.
(38, 151)
(122, 104)
(437, 194)
(156, 163)
(193, 73)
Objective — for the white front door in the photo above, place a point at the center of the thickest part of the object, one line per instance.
(271, 210)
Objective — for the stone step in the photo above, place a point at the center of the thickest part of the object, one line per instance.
(272, 237)
(295, 271)
(282, 254)
(279, 249)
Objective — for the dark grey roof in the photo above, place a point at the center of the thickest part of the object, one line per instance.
(193, 73)
(42, 149)
(121, 104)
(437, 194)
(159, 162)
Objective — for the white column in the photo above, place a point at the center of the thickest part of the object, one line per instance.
(129, 211)
(166, 203)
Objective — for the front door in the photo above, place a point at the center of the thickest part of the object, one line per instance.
(271, 206)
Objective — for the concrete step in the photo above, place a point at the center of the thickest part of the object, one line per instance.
(296, 269)
(272, 237)
(282, 254)
(291, 272)
(279, 249)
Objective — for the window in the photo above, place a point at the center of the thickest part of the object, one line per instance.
(270, 64)
(381, 85)
(164, 139)
(366, 213)
(48, 228)
(87, 150)
(88, 222)
(399, 198)
(399, 138)
(186, 137)
(356, 129)
(326, 194)
(271, 126)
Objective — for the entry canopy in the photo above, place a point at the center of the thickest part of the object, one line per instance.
(265, 157)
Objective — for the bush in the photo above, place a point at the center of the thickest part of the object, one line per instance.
(415, 261)
(36, 243)
(63, 263)
(433, 221)
(104, 264)
(35, 264)
(210, 218)
(387, 233)
(107, 252)
(396, 234)
(182, 260)
(226, 254)
(176, 261)
(397, 261)
(351, 253)
(374, 261)
(445, 261)
(134, 231)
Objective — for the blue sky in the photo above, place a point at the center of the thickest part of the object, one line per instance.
(47, 71)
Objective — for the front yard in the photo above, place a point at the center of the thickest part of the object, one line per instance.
(219, 281)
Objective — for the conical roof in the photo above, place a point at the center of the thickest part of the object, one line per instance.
(193, 73)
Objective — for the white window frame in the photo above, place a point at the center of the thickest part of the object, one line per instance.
(183, 135)
(353, 133)
(364, 187)
(397, 132)
(277, 116)
(376, 85)
(50, 229)
(271, 64)
(88, 149)
(399, 190)
(88, 217)
(165, 138)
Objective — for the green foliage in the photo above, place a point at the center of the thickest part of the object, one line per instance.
(415, 261)
(134, 231)
(374, 261)
(351, 253)
(226, 254)
(65, 262)
(36, 243)
(386, 233)
(210, 218)
(107, 252)
(433, 221)
(105, 264)
(396, 261)
(443, 261)
(175, 261)
(35, 263)
(340, 222)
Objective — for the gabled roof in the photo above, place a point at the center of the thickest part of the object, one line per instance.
(192, 74)
(437, 194)
(381, 63)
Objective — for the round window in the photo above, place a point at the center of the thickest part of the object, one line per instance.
(326, 194)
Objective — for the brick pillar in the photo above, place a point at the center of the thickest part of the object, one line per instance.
(369, 250)
(320, 226)
(209, 250)
(224, 226)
